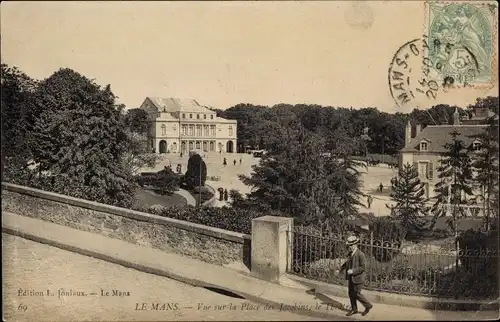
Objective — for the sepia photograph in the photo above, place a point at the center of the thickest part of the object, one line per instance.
(250, 160)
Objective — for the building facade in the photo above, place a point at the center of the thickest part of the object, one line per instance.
(424, 147)
(183, 125)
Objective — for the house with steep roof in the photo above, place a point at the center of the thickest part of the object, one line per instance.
(424, 147)
(182, 125)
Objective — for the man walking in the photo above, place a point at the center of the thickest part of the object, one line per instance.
(369, 201)
(354, 269)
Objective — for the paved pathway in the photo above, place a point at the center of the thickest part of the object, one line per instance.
(170, 265)
(186, 195)
(32, 266)
(371, 177)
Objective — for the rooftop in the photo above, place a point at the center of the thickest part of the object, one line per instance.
(172, 104)
(439, 135)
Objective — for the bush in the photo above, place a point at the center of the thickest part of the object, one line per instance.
(239, 221)
(206, 194)
(196, 173)
(479, 253)
(163, 182)
(385, 228)
(387, 238)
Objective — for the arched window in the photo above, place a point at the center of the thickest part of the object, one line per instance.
(163, 129)
(230, 131)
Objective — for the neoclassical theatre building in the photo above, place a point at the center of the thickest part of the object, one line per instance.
(183, 125)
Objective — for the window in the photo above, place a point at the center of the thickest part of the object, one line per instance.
(198, 130)
(205, 116)
(175, 127)
(163, 129)
(425, 169)
(183, 115)
(184, 129)
(476, 146)
(230, 131)
(211, 117)
(190, 116)
(212, 130)
(191, 130)
(423, 146)
(430, 173)
(212, 146)
(206, 130)
(197, 145)
(197, 116)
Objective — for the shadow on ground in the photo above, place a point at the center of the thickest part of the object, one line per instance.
(223, 292)
(327, 300)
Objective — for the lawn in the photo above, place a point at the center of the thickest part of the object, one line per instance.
(146, 198)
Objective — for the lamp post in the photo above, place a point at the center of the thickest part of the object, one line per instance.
(199, 189)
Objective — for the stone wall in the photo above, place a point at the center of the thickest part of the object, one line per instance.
(209, 244)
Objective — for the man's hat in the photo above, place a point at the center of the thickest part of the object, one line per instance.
(352, 240)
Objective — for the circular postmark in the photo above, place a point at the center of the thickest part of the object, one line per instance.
(412, 77)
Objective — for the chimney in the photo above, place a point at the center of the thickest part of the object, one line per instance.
(408, 133)
(418, 128)
(456, 117)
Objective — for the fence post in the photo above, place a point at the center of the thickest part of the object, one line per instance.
(270, 246)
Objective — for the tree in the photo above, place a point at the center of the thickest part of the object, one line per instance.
(485, 159)
(136, 120)
(408, 194)
(18, 116)
(80, 139)
(455, 174)
(297, 178)
(344, 175)
(196, 173)
(137, 156)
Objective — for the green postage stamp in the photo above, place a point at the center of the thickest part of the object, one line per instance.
(462, 38)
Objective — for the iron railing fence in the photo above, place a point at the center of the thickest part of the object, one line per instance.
(397, 267)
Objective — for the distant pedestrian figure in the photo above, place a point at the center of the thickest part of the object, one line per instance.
(226, 197)
(224, 162)
(181, 154)
(369, 201)
(240, 160)
(234, 161)
(221, 194)
(381, 187)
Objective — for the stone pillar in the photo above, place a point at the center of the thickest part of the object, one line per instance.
(157, 145)
(271, 251)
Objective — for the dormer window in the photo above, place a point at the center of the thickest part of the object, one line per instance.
(423, 146)
(183, 115)
(476, 145)
(197, 116)
(205, 116)
(190, 116)
(211, 117)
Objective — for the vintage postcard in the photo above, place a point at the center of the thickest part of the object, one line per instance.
(249, 160)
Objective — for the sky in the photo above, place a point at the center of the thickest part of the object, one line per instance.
(223, 53)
